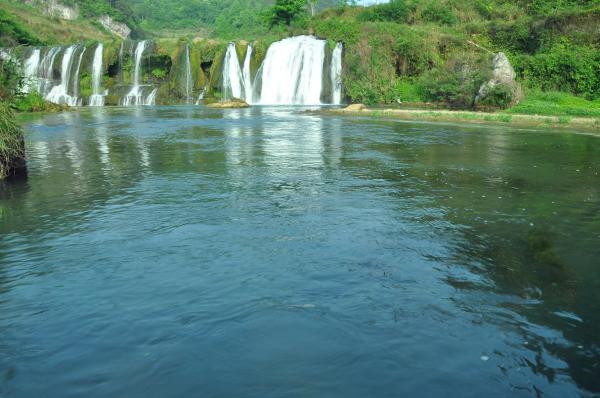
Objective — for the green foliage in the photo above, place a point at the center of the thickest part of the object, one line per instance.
(13, 32)
(394, 11)
(556, 103)
(159, 73)
(12, 148)
(499, 97)
(31, 102)
(285, 11)
(11, 80)
(564, 67)
(439, 13)
(456, 85)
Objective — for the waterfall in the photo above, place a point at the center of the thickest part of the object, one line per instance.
(30, 71)
(292, 73)
(97, 97)
(136, 95)
(336, 74)
(76, 77)
(201, 96)
(232, 74)
(59, 93)
(188, 76)
(45, 71)
(246, 73)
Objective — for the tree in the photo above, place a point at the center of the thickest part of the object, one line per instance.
(312, 4)
(284, 11)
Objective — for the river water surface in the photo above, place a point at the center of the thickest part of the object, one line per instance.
(187, 252)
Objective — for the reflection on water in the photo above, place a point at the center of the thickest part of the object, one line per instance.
(167, 251)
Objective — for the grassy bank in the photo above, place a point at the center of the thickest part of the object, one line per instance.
(507, 119)
(12, 146)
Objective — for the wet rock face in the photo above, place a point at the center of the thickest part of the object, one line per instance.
(116, 28)
(503, 74)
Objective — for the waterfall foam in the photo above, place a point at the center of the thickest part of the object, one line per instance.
(292, 72)
(232, 74)
(336, 74)
(97, 97)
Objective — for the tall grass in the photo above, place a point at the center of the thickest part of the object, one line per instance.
(12, 145)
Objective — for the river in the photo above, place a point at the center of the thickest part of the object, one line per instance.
(268, 252)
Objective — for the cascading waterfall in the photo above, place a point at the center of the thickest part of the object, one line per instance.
(188, 76)
(232, 74)
(292, 73)
(45, 71)
(30, 71)
(59, 93)
(336, 74)
(97, 97)
(246, 73)
(136, 95)
(76, 77)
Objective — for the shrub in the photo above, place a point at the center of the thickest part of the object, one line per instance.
(12, 147)
(499, 96)
(394, 11)
(31, 102)
(439, 13)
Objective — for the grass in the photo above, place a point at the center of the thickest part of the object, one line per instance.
(556, 104)
(12, 148)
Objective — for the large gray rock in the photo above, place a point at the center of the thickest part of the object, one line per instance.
(502, 74)
(116, 28)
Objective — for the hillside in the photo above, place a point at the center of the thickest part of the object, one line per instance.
(67, 21)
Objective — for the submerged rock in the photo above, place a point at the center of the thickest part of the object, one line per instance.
(355, 107)
(234, 103)
(491, 93)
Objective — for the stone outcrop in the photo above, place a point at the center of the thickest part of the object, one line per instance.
(234, 103)
(55, 9)
(355, 108)
(116, 28)
(503, 74)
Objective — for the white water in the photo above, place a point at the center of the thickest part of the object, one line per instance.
(247, 76)
(45, 71)
(75, 77)
(97, 97)
(201, 96)
(30, 71)
(188, 76)
(151, 99)
(336, 74)
(292, 73)
(232, 75)
(59, 93)
(136, 95)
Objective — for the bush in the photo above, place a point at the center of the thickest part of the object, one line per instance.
(394, 11)
(564, 67)
(32, 102)
(12, 147)
(499, 96)
(12, 32)
(439, 13)
(456, 85)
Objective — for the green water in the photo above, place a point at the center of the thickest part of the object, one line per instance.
(269, 252)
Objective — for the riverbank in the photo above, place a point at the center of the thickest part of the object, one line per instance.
(518, 120)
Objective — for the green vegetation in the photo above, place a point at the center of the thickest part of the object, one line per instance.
(557, 103)
(13, 32)
(12, 147)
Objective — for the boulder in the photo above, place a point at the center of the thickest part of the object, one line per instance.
(234, 103)
(502, 74)
(355, 107)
